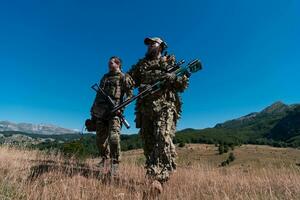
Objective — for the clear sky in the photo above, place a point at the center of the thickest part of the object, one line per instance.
(51, 52)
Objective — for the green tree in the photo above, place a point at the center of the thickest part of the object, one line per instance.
(231, 157)
(221, 149)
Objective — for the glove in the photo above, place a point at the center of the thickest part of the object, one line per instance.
(170, 76)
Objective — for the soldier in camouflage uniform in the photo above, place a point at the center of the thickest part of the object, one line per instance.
(117, 85)
(157, 114)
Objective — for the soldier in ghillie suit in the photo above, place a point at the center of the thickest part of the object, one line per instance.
(117, 86)
(157, 114)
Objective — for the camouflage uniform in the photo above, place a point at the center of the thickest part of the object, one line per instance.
(116, 85)
(157, 114)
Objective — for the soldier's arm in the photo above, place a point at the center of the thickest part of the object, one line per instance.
(176, 82)
(134, 73)
(128, 86)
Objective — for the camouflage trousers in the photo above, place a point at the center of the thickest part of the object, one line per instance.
(108, 139)
(157, 132)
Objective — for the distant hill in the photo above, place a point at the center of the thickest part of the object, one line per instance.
(17, 137)
(266, 117)
(288, 128)
(42, 129)
(277, 125)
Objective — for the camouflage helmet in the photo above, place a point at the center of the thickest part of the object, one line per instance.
(149, 40)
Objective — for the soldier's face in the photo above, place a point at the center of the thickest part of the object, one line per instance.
(154, 48)
(114, 65)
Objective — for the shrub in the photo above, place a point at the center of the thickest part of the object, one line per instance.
(181, 144)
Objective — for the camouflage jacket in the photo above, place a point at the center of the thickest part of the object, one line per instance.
(147, 72)
(118, 86)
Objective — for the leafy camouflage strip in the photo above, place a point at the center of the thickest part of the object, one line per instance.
(159, 148)
(157, 115)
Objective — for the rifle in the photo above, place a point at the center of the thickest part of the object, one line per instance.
(111, 103)
(177, 69)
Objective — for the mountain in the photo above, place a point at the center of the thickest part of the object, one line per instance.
(266, 117)
(277, 124)
(288, 128)
(276, 108)
(43, 129)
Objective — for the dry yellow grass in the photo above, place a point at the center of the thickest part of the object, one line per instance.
(259, 172)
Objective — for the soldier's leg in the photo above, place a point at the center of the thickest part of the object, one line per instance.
(114, 142)
(164, 154)
(102, 139)
(146, 134)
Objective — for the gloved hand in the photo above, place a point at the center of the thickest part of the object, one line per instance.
(170, 76)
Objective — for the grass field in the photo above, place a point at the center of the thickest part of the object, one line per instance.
(258, 172)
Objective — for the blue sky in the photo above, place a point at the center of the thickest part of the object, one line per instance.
(51, 52)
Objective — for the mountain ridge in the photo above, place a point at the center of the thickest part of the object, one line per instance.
(276, 125)
(278, 109)
(44, 129)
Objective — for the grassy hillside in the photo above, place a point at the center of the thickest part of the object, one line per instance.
(258, 172)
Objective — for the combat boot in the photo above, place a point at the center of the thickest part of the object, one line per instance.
(103, 165)
(114, 171)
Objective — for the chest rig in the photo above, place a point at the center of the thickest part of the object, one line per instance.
(113, 84)
(152, 70)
